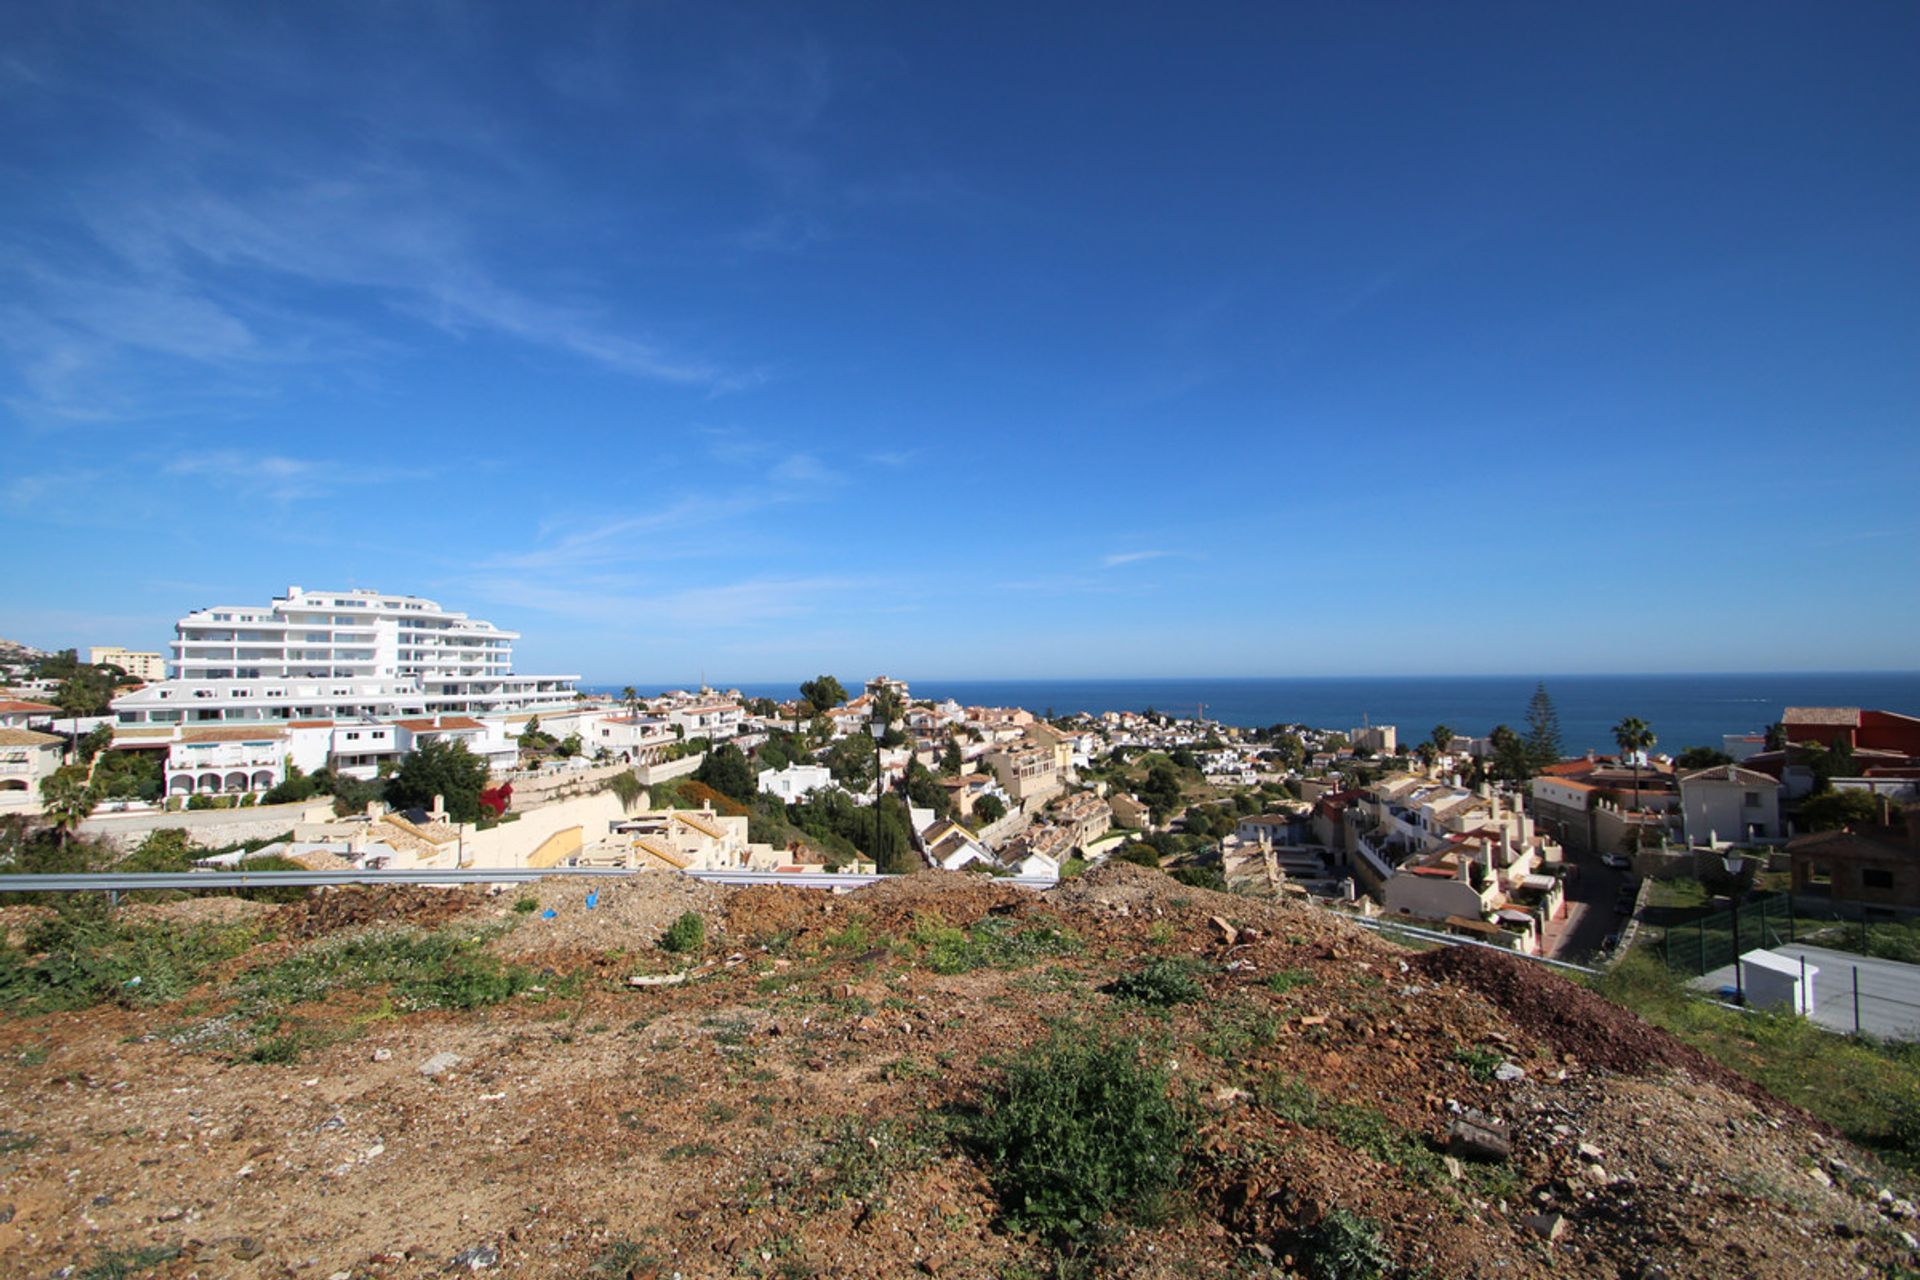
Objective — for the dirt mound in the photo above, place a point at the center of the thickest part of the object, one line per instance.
(627, 913)
(1125, 888)
(327, 910)
(957, 899)
(1576, 1021)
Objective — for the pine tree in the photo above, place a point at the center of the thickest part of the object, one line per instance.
(1543, 729)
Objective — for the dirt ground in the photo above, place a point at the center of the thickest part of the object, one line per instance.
(777, 1112)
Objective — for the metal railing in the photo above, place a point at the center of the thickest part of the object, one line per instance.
(127, 882)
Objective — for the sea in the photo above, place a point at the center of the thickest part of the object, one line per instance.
(1682, 710)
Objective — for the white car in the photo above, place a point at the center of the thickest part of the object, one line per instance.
(1618, 861)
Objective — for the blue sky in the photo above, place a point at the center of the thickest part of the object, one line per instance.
(988, 341)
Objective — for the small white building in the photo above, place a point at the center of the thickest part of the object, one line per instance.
(26, 757)
(1727, 804)
(715, 720)
(795, 782)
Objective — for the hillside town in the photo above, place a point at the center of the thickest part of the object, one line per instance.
(354, 729)
(771, 942)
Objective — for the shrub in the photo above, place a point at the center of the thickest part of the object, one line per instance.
(527, 906)
(1081, 1128)
(994, 942)
(446, 970)
(1161, 982)
(688, 933)
(72, 962)
(1343, 1246)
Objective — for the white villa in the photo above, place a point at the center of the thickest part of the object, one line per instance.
(339, 655)
(795, 782)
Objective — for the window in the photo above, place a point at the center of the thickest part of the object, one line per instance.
(1752, 800)
(1874, 878)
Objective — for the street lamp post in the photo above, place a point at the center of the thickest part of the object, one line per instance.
(1735, 863)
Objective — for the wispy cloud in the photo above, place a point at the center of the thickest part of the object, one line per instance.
(1118, 558)
(230, 246)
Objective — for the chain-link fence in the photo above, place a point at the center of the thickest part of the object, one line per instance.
(1858, 975)
(1711, 941)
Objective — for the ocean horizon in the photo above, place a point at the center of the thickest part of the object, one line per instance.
(1683, 710)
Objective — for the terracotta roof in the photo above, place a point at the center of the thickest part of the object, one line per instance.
(1847, 716)
(14, 706)
(253, 733)
(28, 738)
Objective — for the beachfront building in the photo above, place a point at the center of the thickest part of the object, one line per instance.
(339, 655)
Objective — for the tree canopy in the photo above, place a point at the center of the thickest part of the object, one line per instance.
(1700, 758)
(440, 768)
(824, 692)
(726, 770)
(1543, 729)
(1831, 810)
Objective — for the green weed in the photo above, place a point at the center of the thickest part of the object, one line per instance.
(994, 942)
(444, 970)
(686, 935)
(1080, 1129)
(1287, 979)
(1480, 1063)
(76, 962)
(1161, 982)
(114, 1264)
(1343, 1246)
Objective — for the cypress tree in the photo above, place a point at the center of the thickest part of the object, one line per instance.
(1543, 729)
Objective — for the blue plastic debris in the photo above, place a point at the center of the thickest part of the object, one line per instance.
(548, 914)
(593, 899)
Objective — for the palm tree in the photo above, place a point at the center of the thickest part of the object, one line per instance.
(631, 696)
(1633, 736)
(67, 800)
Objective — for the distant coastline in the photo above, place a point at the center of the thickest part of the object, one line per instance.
(1684, 710)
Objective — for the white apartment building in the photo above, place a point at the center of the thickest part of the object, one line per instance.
(339, 655)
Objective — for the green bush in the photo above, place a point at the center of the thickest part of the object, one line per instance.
(687, 934)
(1343, 1246)
(1080, 1129)
(445, 970)
(527, 906)
(73, 962)
(993, 943)
(1161, 982)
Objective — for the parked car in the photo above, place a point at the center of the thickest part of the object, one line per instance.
(1618, 861)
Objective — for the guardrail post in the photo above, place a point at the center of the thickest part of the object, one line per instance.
(1856, 999)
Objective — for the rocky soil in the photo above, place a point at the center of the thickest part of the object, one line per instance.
(779, 1111)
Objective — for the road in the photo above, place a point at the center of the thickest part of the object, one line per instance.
(1590, 914)
(201, 822)
(1889, 991)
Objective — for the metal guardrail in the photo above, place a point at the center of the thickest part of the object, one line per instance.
(1455, 940)
(124, 882)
